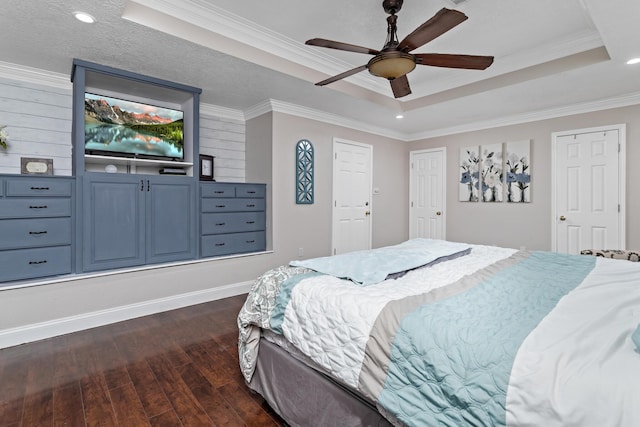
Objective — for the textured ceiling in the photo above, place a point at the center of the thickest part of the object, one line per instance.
(551, 56)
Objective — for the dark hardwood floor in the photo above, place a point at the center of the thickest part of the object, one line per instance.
(178, 368)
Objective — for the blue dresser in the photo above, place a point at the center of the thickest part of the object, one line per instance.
(232, 218)
(36, 225)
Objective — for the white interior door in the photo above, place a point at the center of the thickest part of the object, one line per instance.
(589, 190)
(427, 191)
(351, 196)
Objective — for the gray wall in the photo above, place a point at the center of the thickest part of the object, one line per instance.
(529, 225)
(309, 226)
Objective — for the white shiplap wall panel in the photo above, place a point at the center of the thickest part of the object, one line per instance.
(224, 138)
(38, 120)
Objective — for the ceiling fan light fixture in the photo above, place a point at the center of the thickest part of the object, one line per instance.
(392, 64)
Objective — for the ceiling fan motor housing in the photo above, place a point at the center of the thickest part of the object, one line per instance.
(392, 6)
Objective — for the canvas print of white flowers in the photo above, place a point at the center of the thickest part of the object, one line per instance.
(491, 172)
(518, 173)
(469, 174)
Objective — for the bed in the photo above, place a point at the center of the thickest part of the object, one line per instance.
(436, 333)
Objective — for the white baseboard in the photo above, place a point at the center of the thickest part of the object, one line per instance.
(38, 331)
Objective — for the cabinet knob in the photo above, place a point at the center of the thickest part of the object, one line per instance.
(438, 213)
(563, 218)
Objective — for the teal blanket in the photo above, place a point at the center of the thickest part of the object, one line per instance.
(450, 358)
(374, 266)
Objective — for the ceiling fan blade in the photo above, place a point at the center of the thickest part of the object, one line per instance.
(400, 86)
(341, 46)
(342, 75)
(439, 24)
(469, 62)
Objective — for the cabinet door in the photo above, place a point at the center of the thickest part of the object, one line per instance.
(113, 218)
(170, 219)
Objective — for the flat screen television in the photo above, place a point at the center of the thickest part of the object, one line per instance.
(123, 128)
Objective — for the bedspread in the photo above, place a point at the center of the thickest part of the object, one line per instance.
(464, 342)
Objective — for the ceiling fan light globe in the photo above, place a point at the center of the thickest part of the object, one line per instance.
(391, 65)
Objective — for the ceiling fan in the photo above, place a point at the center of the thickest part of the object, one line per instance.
(395, 59)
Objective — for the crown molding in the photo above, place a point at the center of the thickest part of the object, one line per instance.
(273, 105)
(221, 112)
(22, 73)
(552, 113)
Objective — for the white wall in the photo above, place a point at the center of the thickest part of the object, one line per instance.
(38, 120)
(224, 138)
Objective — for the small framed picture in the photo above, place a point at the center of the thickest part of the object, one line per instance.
(33, 166)
(206, 167)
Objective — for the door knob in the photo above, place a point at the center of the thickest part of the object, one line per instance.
(562, 218)
(438, 213)
(367, 213)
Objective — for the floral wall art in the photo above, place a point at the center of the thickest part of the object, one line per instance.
(496, 172)
(518, 172)
(469, 174)
(491, 172)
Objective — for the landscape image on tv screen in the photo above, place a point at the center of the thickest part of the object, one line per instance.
(119, 127)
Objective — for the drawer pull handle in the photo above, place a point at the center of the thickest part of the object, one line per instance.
(219, 244)
(220, 223)
(39, 188)
(251, 241)
(251, 222)
(38, 207)
(251, 206)
(37, 232)
(221, 206)
(37, 262)
(218, 192)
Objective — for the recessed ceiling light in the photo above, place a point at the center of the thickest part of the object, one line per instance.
(399, 116)
(633, 61)
(84, 17)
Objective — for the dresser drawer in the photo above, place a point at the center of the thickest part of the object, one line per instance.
(38, 187)
(225, 244)
(217, 223)
(29, 263)
(34, 208)
(36, 232)
(217, 190)
(250, 190)
(232, 205)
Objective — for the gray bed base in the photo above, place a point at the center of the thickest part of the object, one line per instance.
(304, 397)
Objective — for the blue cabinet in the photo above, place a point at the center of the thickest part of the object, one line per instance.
(36, 226)
(232, 218)
(132, 220)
